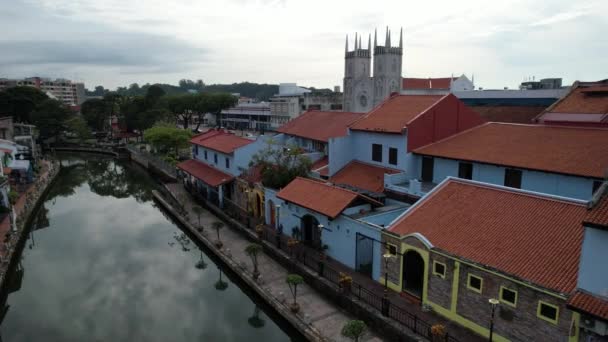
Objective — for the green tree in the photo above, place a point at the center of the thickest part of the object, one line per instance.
(218, 225)
(79, 128)
(20, 102)
(167, 138)
(214, 104)
(94, 113)
(198, 211)
(153, 94)
(354, 329)
(253, 250)
(293, 280)
(279, 165)
(50, 118)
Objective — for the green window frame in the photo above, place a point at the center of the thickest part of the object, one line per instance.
(439, 269)
(544, 317)
(473, 288)
(391, 248)
(506, 301)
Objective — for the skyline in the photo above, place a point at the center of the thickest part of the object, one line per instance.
(112, 43)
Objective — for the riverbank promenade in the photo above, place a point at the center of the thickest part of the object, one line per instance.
(316, 312)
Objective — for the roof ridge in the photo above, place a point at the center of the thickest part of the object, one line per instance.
(454, 135)
(428, 108)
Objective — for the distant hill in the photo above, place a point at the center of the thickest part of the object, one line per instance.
(261, 92)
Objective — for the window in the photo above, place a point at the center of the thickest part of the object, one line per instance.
(428, 165)
(439, 269)
(474, 283)
(377, 152)
(465, 170)
(391, 249)
(215, 158)
(392, 156)
(548, 312)
(196, 150)
(596, 186)
(513, 178)
(205, 154)
(227, 163)
(508, 296)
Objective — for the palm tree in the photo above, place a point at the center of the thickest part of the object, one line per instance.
(198, 211)
(253, 250)
(201, 264)
(221, 285)
(354, 329)
(293, 280)
(217, 225)
(255, 320)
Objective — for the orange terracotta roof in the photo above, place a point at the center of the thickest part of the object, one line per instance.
(320, 126)
(583, 100)
(511, 114)
(568, 150)
(205, 173)
(598, 215)
(221, 141)
(395, 113)
(363, 176)
(520, 234)
(319, 164)
(319, 196)
(427, 83)
(590, 304)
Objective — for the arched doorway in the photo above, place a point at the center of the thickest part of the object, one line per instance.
(310, 234)
(272, 213)
(413, 273)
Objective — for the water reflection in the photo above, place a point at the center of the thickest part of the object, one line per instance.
(111, 267)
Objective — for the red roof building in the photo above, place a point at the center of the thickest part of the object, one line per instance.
(321, 197)
(320, 126)
(206, 173)
(220, 140)
(427, 83)
(585, 105)
(363, 176)
(565, 150)
(523, 235)
(590, 304)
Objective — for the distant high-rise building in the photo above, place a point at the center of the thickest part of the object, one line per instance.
(69, 92)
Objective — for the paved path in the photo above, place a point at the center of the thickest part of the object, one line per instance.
(315, 310)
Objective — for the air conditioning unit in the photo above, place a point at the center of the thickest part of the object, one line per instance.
(594, 325)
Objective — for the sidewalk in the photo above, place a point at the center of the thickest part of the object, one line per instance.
(316, 311)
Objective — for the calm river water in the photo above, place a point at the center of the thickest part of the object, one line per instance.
(104, 264)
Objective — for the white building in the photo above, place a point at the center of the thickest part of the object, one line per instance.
(69, 92)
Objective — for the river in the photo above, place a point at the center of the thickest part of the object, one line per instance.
(103, 263)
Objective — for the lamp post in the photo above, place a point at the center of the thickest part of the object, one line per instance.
(320, 227)
(247, 206)
(278, 206)
(387, 258)
(493, 302)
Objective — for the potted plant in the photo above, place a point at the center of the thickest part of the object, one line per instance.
(345, 282)
(217, 225)
(253, 250)
(438, 332)
(259, 229)
(354, 330)
(293, 280)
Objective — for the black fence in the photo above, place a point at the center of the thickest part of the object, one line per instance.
(315, 260)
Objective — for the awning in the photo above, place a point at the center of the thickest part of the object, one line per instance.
(206, 173)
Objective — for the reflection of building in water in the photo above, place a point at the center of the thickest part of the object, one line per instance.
(41, 220)
(13, 285)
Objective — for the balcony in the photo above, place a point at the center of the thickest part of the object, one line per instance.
(399, 182)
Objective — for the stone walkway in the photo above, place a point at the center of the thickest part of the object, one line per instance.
(316, 311)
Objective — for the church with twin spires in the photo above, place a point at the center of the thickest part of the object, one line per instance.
(363, 90)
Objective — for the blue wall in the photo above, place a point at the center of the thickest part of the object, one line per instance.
(339, 234)
(544, 182)
(592, 275)
(238, 161)
(357, 145)
(221, 160)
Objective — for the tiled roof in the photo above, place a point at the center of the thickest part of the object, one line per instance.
(205, 173)
(318, 196)
(510, 114)
(394, 114)
(363, 176)
(598, 215)
(567, 150)
(532, 237)
(584, 100)
(427, 83)
(221, 141)
(590, 304)
(320, 126)
(320, 164)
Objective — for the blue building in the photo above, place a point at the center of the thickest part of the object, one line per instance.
(557, 160)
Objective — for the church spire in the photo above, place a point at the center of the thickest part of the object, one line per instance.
(369, 43)
(401, 39)
(375, 38)
(356, 41)
(387, 40)
(346, 46)
(360, 46)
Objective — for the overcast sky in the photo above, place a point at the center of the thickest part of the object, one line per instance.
(118, 42)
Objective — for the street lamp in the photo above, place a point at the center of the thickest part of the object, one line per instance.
(493, 302)
(385, 306)
(278, 206)
(320, 227)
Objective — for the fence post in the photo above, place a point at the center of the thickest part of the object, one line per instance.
(415, 323)
(385, 306)
(321, 265)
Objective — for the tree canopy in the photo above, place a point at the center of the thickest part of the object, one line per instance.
(50, 118)
(166, 137)
(279, 165)
(20, 102)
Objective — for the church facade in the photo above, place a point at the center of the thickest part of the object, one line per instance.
(362, 89)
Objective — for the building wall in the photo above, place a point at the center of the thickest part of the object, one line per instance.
(221, 159)
(593, 258)
(243, 155)
(339, 234)
(544, 182)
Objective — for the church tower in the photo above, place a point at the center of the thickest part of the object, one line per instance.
(387, 67)
(358, 85)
